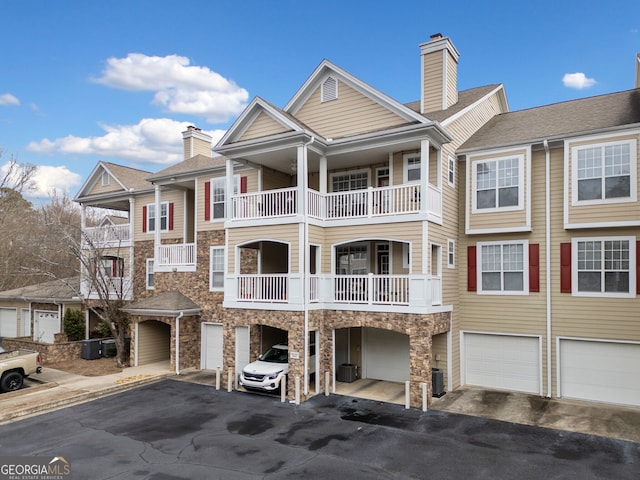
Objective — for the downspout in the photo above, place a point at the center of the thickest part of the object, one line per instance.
(547, 220)
(306, 269)
(178, 342)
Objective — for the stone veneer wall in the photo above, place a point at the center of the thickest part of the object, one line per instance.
(49, 352)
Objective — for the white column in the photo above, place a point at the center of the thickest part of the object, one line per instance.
(157, 225)
(323, 174)
(424, 174)
(228, 191)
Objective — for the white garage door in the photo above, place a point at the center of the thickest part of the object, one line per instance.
(8, 322)
(46, 325)
(504, 362)
(600, 371)
(212, 347)
(386, 355)
(242, 348)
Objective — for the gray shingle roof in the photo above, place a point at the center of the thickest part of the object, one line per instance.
(168, 302)
(558, 120)
(62, 289)
(195, 164)
(465, 98)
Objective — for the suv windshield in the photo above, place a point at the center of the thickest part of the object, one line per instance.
(275, 355)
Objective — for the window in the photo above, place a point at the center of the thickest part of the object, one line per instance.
(105, 179)
(329, 90)
(502, 267)
(109, 266)
(216, 280)
(497, 184)
(151, 217)
(604, 172)
(150, 275)
(451, 253)
(218, 188)
(603, 266)
(412, 168)
(352, 260)
(345, 182)
(452, 172)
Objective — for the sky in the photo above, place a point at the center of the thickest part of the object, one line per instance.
(118, 81)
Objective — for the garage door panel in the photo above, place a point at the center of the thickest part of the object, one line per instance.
(600, 371)
(8, 322)
(502, 361)
(386, 355)
(213, 347)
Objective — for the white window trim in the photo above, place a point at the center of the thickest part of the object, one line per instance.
(153, 205)
(451, 251)
(521, 184)
(105, 179)
(525, 270)
(149, 272)
(406, 256)
(350, 172)
(451, 171)
(236, 186)
(632, 268)
(405, 167)
(224, 259)
(632, 172)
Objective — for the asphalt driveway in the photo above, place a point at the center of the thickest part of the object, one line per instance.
(180, 430)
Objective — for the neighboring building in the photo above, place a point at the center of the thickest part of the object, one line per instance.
(37, 311)
(394, 237)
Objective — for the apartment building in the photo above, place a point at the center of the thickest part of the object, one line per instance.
(446, 233)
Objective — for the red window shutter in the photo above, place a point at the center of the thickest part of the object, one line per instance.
(534, 267)
(472, 272)
(638, 267)
(114, 267)
(144, 219)
(565, 267)
(207, 200)
(243, 184)
(170, 215)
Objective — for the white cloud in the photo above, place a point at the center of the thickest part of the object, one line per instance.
(179, 86)
(577, 80)
(8, 99)
(152, 140)
(49, 180)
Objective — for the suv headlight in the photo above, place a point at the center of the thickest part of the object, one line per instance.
(273, 376)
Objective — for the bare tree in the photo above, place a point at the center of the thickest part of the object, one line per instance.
(99, 254)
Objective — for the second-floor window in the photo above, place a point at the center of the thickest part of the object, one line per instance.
(152, 218)
(497, 184)
(603, 265)
(150, 275)
(603, 172)
(502, 267)
(109, 266)
(218, 188)
(412, 168)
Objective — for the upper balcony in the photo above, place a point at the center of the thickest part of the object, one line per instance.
(392, 203)
(107, 236)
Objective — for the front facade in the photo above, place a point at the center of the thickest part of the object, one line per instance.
(391, 238)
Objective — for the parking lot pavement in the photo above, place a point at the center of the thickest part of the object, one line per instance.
(182, 430)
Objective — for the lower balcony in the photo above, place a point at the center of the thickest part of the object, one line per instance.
(179, 257)
(398, 293)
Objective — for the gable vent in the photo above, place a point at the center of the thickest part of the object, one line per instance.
(329, 89)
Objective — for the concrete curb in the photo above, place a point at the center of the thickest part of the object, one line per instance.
(51, 402)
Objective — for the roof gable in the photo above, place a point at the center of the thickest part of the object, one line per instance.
(120, 179)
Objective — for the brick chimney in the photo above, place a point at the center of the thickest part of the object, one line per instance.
(439, 75)
(196, 142)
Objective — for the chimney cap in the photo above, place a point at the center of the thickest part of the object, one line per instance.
(191, 127)
(436, 36)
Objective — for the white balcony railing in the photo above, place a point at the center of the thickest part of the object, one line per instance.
(337, 291)
(108, 235)
(115, 287)
(175, 255)
(370, 202)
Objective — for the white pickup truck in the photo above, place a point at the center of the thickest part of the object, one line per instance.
(15, 366)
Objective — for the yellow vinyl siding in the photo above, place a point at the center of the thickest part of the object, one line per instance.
(433, 78)
(604, 212)
(196, 146)
(172, 196)
(97, 188)
(271, 180)
(350, 114)
(452, 80)
(263, 126)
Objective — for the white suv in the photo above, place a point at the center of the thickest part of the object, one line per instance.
(267, 372)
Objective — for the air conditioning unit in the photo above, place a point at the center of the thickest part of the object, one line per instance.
(437, 382)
